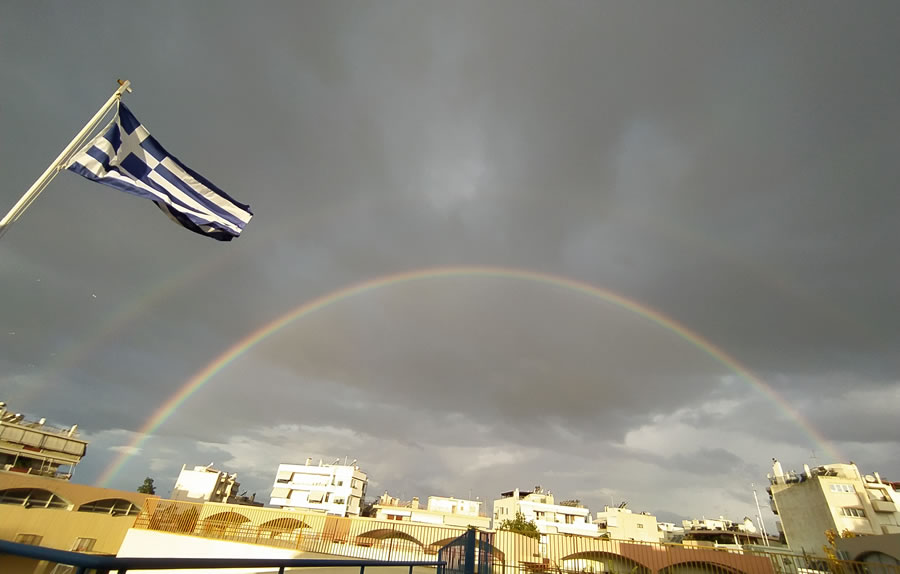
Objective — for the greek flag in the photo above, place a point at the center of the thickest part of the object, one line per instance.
(125, 156)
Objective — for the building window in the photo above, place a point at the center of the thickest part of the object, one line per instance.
(32, 497)
(34, 539)
(113, 506)
(339, 501)
(570, 519)
(640, 525)
(339, 483)
(853, 511)
(842, 488)
(84, 544)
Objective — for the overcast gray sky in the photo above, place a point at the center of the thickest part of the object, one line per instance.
(731, 165)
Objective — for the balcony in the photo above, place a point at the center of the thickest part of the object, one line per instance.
(884, 506)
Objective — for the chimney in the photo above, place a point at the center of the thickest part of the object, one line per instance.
(308, 460)
(414, 503)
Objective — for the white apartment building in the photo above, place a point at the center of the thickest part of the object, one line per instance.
(331, 488)
(440, 510)
(539, 506)
(620, 523)
(205, 484)
(456, 506)
(831, 497)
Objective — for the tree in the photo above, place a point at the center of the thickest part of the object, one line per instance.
(147, 487)
(574, 503)
(521, 526)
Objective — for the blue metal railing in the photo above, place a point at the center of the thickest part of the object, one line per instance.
(85, 562)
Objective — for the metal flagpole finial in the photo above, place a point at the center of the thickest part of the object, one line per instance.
(125, 84)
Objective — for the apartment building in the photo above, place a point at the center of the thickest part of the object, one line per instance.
(831, 497)
(34, 447)
(440, 510)
(722, 533)
(540, 507)
(620, 523)
(207, 484)
(330, 488)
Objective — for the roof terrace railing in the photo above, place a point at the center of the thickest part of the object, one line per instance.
(86, 562)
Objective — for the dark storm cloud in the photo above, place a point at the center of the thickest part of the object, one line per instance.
(729, 165)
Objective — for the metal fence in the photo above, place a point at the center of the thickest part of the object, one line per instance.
(517, 553)
(308, 532)
(501, 552)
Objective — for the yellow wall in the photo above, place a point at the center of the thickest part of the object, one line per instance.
(60, 527)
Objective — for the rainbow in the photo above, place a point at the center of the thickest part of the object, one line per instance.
(206, 374)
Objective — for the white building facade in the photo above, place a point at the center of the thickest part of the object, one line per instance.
(330, 488)
(539, 507)
(205, 484)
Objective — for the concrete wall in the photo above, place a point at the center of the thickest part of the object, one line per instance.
(147, 543)
(804, 515)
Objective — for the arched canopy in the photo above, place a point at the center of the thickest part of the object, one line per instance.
(705, 566)
(387, 533)
(283, 524)
(602, 556)
(228, 517)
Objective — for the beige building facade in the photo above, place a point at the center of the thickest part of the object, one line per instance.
(623, 524)
(439, 511)
(831, 497)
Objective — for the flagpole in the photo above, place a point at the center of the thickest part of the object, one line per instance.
(38, 186)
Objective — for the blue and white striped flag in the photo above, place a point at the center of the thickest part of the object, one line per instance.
(125, 156)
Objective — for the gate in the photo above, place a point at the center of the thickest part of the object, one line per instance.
(471, 553)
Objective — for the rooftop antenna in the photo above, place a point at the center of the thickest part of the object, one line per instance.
(812, 456)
